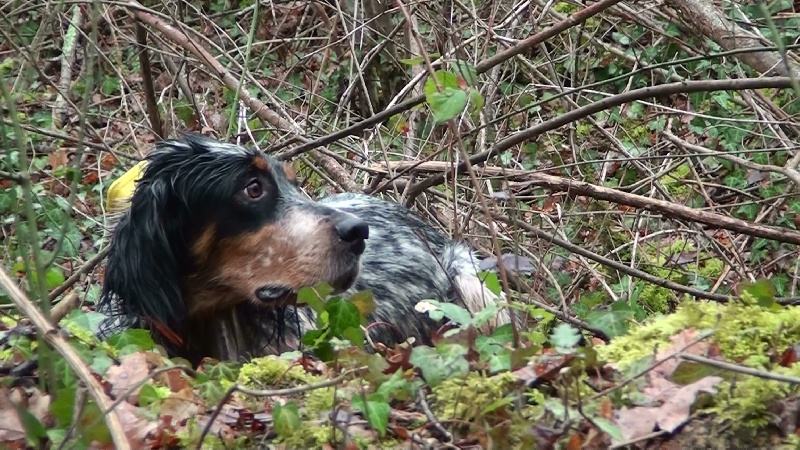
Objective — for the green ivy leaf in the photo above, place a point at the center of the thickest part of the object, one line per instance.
(763, 292)
(314, 296)
(613, 323)
(342, 315)
(53, 277)
(466, 71)
(445, 80)
(228, 371)
(89, 321)
(447, 104)
(355, 335)
(364, 302)
(375, 408)
(565, 338)
(440, 363)
(140, 339)
(286, 418)
(150, 394)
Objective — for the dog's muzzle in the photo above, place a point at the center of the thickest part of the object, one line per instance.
(344, 264)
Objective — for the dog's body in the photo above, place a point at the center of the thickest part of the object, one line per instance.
(217, 238)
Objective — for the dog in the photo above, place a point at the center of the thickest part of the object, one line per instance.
(217, 233)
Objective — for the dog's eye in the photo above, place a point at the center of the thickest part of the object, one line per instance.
(254, 190)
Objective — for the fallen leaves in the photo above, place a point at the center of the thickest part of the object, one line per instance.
(669, 403)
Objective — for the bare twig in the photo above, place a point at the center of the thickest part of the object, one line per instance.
(147, 80)
(484, 66)
(269, 393)
(73, 360)
(231, 82)
(607, 103)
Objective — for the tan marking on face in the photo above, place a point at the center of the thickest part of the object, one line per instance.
(204, 244)
(289, 171)
(294, 252)
(261, 163)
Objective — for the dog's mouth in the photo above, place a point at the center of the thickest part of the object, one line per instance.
(282, 295)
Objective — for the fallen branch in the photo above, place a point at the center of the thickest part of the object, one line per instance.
(713, 220)
(57, 342)
(560, 184)
(706, 20)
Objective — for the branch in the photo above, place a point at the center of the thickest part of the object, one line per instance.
(57, 342)
(607, 103)
(611, 263)
(713, 220)
(260, 109)
(706, 20)
(484, 66)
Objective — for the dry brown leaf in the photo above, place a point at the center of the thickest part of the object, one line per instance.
(180, 405)
(133, 369)
(137, 429)
(11, 429)
(674, 402)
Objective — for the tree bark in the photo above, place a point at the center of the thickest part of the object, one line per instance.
(709, 21)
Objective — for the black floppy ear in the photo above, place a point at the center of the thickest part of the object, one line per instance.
(143, 268)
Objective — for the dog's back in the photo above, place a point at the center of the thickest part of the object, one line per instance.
(408, 261)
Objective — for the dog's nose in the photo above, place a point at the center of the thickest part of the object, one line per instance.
(354, 231)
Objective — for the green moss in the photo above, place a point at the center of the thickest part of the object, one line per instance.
(745, 333)
(272, 371)
(674, 183)
(466, 398)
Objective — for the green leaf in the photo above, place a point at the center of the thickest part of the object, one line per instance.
(150, 394)
(376, 409)
(54, 277)
(89, 321)
(286, 418)
(342, 315)
(565, 338)
(139, 339)
(440, 363)
(364, 302)
(228, 371)
(609, 428)
(447, 104)
(314, 296)
(613, 323)
(101, 362)
(34, 429)
(456, 313)
(211, 391)
(445, 80)
(762, 291)
(355, 335)
(492, 282)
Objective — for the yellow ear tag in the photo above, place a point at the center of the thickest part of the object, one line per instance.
(121, 190)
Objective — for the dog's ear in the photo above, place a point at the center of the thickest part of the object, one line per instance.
(144, 262)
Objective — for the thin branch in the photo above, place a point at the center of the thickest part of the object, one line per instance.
(602, 105)
(482, 67)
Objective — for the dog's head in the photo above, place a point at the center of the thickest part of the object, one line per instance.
(213, 224)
